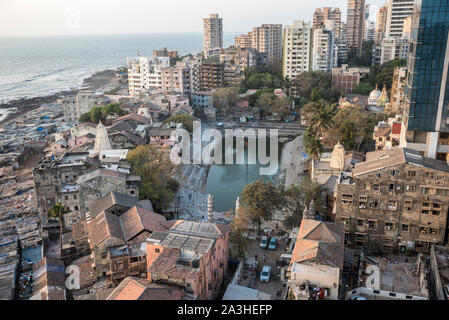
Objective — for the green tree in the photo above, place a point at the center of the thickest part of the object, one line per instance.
(258, 200)
(156, 171)
(98, 113)
(225, 98)
(57, 211)
(364, 88)
(297, 197)
(185, 119)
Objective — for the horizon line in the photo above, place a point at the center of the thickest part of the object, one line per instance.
(108, 34)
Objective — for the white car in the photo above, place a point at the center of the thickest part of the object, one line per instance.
(265, 274)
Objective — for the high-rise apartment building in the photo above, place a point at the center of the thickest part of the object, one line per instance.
(321, 15)
(369, 30)
(398, 10)
(268, 39)
(355, 25)
(298, 43)
(323, 57)
(426, 115)
(381, 24)
(212, 33)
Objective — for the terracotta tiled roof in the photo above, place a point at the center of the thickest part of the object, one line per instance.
(133, 288)
(320, 241)
(105, 226)
(383, 132)
(87, 275)
(111, 199)
(80, 230)
(137, 219)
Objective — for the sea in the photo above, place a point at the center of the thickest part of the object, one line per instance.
(40, 66)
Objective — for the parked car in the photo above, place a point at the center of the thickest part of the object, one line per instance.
(358, 298)
(264, 242)
(265, 274)
(273, 243)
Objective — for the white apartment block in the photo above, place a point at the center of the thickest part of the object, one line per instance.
(212, 34)
(145, 73)
(323, 57)
(369, 31)
(74, 106)
(298, 43)
(398, 11)
(268, 39)
(391, 49)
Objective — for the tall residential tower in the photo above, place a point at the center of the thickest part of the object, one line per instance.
(355, 24)
(212, 34)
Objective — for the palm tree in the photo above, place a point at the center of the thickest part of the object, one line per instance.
(312, 144)
(57, 211)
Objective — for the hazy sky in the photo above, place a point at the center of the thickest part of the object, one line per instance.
(72, 17)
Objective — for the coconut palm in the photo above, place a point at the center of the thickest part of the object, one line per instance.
(57, 211)
(312, 144)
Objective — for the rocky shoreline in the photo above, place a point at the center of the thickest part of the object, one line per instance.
(24, 105)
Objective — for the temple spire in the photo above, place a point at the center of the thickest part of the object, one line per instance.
(101, 138)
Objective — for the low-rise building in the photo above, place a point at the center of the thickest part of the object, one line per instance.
(74, 106)
(387, 134)
(133, 288)
(190, 255)
(390, 278)
(317, 259)
(116, 241)
(347, 79)
(202, 99)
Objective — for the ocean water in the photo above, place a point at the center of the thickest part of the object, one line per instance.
(39, 66)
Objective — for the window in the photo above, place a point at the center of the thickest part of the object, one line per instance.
(157, 250)
(411, 173)
(405, 227)
(376, 187)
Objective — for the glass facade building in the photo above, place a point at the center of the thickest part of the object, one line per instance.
(427, 70)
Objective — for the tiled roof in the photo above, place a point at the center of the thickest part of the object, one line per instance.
(87, 275)
(133, 288)
(320, 241)
(111, 199)
(383, 132)
(105, 226)
(137, 219)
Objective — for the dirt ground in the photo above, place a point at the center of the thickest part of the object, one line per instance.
(275, 286)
